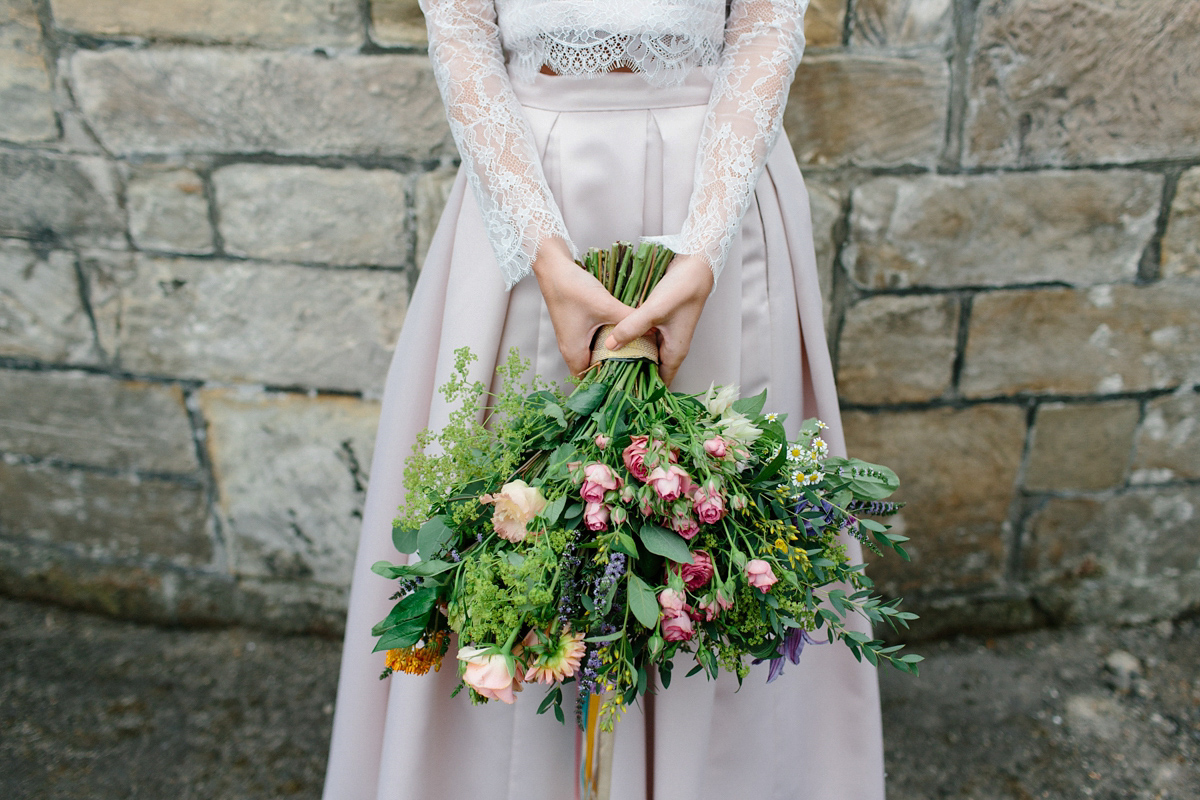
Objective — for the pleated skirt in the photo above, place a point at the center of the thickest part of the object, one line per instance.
(619, 157)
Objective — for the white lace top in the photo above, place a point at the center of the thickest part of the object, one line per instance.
(752, 55)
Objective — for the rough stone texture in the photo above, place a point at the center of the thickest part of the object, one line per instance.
(25, 92)
(1181, 242)
(264, 22)
(825, 203)
(94, 419)
(1075, 83)
(71, 198)
(239, 321)
(1077, 227)
(344, 217)
(1168, 442)
(1131, 557)
(169, 212)
(430, 192)
(41, 314)
(291, 476)
(897, 349)
(1105, 340)
(1081, 446)
(105, 516)
(867, 110)
(398, 22)
(957, 472)
(222, 101)
(824, 22)
(902, 23)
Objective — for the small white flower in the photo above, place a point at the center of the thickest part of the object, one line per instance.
(738, 427)
(796, 452)
(771, 417)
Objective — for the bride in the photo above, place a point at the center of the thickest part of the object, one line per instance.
(580, 123)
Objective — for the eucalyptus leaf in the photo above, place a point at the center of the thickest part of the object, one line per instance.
(404, 538)
(662, 542)
(433, 536)
(585, 401)
(751, 406)
(642, 601)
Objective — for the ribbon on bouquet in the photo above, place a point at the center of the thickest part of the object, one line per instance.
(594, 752)
(645, 346)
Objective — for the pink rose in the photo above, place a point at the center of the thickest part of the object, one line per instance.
(739, 502)
(685, 525)
(618, 515)
(697, 574)
(602, 441)
(671, 601)
(716, 447)
(595, 516)
(598, 479)
(634, 457)
(515, 505)
(489, 675)
(671, 483)
(628, 493)
(714, 605)
(759, 574)
(709, 505)
(677, 627)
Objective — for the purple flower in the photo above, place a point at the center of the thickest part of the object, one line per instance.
(792, 647)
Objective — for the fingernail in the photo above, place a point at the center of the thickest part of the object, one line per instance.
(611, 342)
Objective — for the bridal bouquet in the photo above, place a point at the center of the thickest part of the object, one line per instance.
(599, 537)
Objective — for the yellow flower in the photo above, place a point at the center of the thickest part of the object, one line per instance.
(418, 659)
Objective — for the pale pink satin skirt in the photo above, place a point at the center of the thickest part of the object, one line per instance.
(619, 157)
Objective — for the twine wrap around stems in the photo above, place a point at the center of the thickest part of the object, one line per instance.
(645, 346)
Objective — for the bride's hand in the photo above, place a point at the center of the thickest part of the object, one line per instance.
(673, 309)
(578, 303)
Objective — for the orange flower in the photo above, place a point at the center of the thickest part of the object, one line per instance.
(561, 659)
(418, 659)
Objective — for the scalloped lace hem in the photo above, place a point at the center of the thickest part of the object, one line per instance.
(664, 60)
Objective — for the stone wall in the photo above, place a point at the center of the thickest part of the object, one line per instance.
(212, 214)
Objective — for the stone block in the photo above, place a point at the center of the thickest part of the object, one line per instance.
(60, 197)
(824, 22)
(1168, 442)
(1059, 83)
(41, 310)
(1103, 340)
(431, 190)
(345, 217)
(1081, 446)
(398, 23)
(122, 588)
(868, 110)
(958, 470)
(897, 349)
(902, 23)
(1076, 227)
(291, 476)
(278, 23)
(282, 325)
(1128, 558)
(229, 101)
(97, 420)
(25, 91)
(825, 202)
(1181, 242)
(105, 516)
(168, 211)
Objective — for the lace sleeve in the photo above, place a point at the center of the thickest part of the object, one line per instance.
(492, 133)
(764, 40)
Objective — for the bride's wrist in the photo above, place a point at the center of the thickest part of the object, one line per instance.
(552, 256)
(695, 270)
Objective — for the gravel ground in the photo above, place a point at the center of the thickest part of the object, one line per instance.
(96, 708)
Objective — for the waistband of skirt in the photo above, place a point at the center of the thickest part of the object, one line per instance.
(609, 91)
